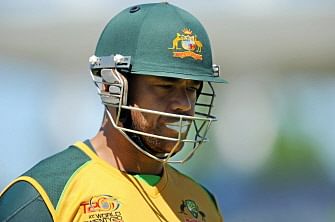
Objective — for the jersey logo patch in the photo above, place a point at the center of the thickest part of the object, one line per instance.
(191, 46)
(101, 208)
(189, 207)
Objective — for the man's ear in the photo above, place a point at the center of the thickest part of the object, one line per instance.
(105, 87)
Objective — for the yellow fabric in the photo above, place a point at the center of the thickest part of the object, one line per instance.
(97, 192)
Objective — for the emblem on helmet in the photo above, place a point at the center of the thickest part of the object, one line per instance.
(191, 46)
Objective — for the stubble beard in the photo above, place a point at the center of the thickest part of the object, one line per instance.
(155, 145)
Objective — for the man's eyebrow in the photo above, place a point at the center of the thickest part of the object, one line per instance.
(196, 82)
(164, 80)
(167, 79)
(173, 80)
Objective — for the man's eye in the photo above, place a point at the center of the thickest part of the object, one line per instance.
(193, 89)
(165, 86)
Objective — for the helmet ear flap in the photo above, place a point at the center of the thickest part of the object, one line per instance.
(125, 116)
(124, 82)
(116, 87)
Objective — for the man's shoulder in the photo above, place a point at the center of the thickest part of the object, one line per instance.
(21, 201)
(62, 162)
(53, 173)
(180, 177)
(38, 189)
(175, 174)
(185, 179)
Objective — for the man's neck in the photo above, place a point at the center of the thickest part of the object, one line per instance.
(111, 146)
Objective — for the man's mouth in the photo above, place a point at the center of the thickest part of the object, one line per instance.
(179, 126)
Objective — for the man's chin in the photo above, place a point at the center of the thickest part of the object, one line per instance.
(160, 149)
(173, 148)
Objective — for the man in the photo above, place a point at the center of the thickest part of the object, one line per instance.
(152, 68)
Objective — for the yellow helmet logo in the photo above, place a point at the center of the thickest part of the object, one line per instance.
(191, 46)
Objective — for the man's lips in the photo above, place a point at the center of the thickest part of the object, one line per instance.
(179, 126)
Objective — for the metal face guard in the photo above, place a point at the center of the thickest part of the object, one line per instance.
(116, 97)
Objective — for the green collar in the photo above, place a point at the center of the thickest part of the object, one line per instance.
(150, 179)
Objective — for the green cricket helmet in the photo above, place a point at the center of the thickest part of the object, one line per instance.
(160, 40)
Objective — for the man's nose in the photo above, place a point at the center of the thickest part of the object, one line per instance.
(182, 103)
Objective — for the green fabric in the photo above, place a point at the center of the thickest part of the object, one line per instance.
(21, 202)
(152, 180)
(54, 172)
(89, 144)
(147, 36)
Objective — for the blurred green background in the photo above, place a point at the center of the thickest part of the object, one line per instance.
(271, 155)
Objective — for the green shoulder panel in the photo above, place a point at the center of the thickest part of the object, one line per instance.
(54, 172)
(22, 201)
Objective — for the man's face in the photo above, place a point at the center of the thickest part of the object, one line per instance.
(176, 96)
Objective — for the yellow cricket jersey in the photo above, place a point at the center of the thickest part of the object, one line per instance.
(76, 185)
